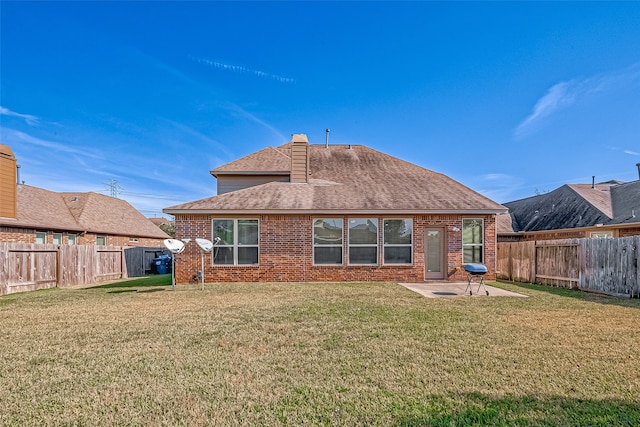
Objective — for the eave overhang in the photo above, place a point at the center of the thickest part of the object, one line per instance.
(252, 173)
(332, 212)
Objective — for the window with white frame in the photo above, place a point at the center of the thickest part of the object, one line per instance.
(398, 241)
(601, 234)
(472, 240)
(41, 237)
(72, 239)
(363, 241)
(57, 239)
(327, 241)
(236, 241)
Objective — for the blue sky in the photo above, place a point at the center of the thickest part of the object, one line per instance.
(508, 98)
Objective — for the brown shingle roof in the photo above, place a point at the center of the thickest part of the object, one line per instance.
(352, 179)
(269, 160)
(43, 209)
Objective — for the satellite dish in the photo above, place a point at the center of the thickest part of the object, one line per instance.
(205, 244)
(175, 246)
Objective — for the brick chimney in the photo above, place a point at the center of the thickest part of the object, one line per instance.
(299, 158)
(8, 184)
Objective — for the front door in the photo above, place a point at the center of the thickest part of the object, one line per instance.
(434, 253)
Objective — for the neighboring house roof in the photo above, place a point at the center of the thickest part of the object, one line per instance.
(43, 209)
(503, 223)
(344, 178)
(160, 221)
(625, 199)
(576, 205)
(597, 195)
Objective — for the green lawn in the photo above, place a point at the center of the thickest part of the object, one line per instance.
(138, 353)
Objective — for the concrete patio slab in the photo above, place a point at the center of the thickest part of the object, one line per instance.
(457, 289)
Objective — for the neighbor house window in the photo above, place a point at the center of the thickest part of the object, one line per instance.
(57, 238)
(601, 234)
(72, 239)
(133, 240)
(41, 237)
(101, 240)
(363, 241)
(236, 241)
(398, 241)
(327, 241)
(472, 240)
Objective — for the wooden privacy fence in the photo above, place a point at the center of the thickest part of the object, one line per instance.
(609, 266)
(27, 267)
(139, 259)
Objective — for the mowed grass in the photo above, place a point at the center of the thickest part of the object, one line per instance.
(139, 353)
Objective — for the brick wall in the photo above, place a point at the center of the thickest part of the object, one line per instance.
(26, 235)
(286, 252)
(627, 232)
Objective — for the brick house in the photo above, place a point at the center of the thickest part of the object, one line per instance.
(608, 209)
(35, 215)
(302, 212)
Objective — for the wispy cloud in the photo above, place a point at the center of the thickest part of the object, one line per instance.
(15, 136)
(240, 69)
(625, 151)
(564, 94)
(31, 120)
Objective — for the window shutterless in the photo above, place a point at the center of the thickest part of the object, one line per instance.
(327, 241)
(363, 241)
(472, 240)
(236, 241)
(398, 241)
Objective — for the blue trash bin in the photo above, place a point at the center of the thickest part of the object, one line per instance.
(161, 264)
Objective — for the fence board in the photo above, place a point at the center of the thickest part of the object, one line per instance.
(139, 259)
(557, 263)
(609, 266)
(25, 266)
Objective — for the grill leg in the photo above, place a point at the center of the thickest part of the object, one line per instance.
(482, 284)
(469, 278)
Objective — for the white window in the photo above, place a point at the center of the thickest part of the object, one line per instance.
(327, 241)
(101, 240)
(398, 241)
(236, 241)
(41, 237)
(363, 241)
(472, 240)
(57, 238)
(601, 234)
(72, 239)
(133, 240)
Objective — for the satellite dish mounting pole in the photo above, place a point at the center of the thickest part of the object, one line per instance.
(173, 272)
(205, 246)
(202, 267)
(175, 247)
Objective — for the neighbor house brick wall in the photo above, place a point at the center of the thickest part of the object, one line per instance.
(286, 251)
(570, 234)
(28, 235)
(626, 232)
